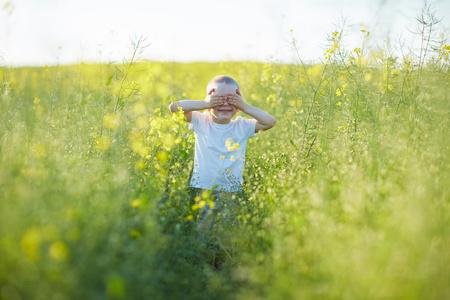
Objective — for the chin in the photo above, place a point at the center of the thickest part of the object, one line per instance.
(229, 115)
(223, 118)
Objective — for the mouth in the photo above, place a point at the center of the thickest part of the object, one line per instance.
(225, 109)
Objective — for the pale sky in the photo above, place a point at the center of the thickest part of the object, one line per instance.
(39, 32)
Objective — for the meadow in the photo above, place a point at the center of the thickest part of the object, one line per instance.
(347, 197)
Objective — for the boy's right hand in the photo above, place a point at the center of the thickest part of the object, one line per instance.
(213, 100)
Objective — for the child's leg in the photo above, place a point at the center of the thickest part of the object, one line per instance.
(216, 225)
(209, 212)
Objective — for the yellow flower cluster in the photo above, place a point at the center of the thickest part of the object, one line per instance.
(103, 143)
(231, 145)
(366, 33)
(201, 201)
(33, 240)
(407, 62)
(340, 91)
(444, 53)
(36, 106)
(111, 121)
(272, 100)
(335, 45)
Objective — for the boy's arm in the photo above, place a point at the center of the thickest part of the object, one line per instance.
(193, 105)
(188, 106)
(264, 121)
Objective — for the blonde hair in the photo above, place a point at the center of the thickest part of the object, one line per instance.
(221, 79)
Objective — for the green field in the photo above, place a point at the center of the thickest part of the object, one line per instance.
(347, 197)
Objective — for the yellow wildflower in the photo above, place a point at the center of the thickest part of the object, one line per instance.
(228, 143)
(136, 203)
(103, 143)
(111, 121)
(30, 243)
(59, 251)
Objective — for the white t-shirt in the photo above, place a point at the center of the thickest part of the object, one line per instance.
(215, 166)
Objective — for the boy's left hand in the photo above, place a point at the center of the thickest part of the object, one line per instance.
(236, 100)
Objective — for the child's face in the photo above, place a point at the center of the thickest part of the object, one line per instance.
(224, 113)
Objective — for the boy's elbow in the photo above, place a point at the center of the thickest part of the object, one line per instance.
(173, 107)
(273, 122)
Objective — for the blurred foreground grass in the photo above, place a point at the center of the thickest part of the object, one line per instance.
(346, 198)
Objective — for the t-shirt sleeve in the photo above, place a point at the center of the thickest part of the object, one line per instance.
(197, 119)
(247, 126)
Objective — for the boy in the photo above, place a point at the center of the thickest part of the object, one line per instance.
(220, 142)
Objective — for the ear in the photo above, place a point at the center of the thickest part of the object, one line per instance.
(211, 91)
(238, 92)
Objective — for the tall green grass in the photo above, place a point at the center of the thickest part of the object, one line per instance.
(346, 198)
